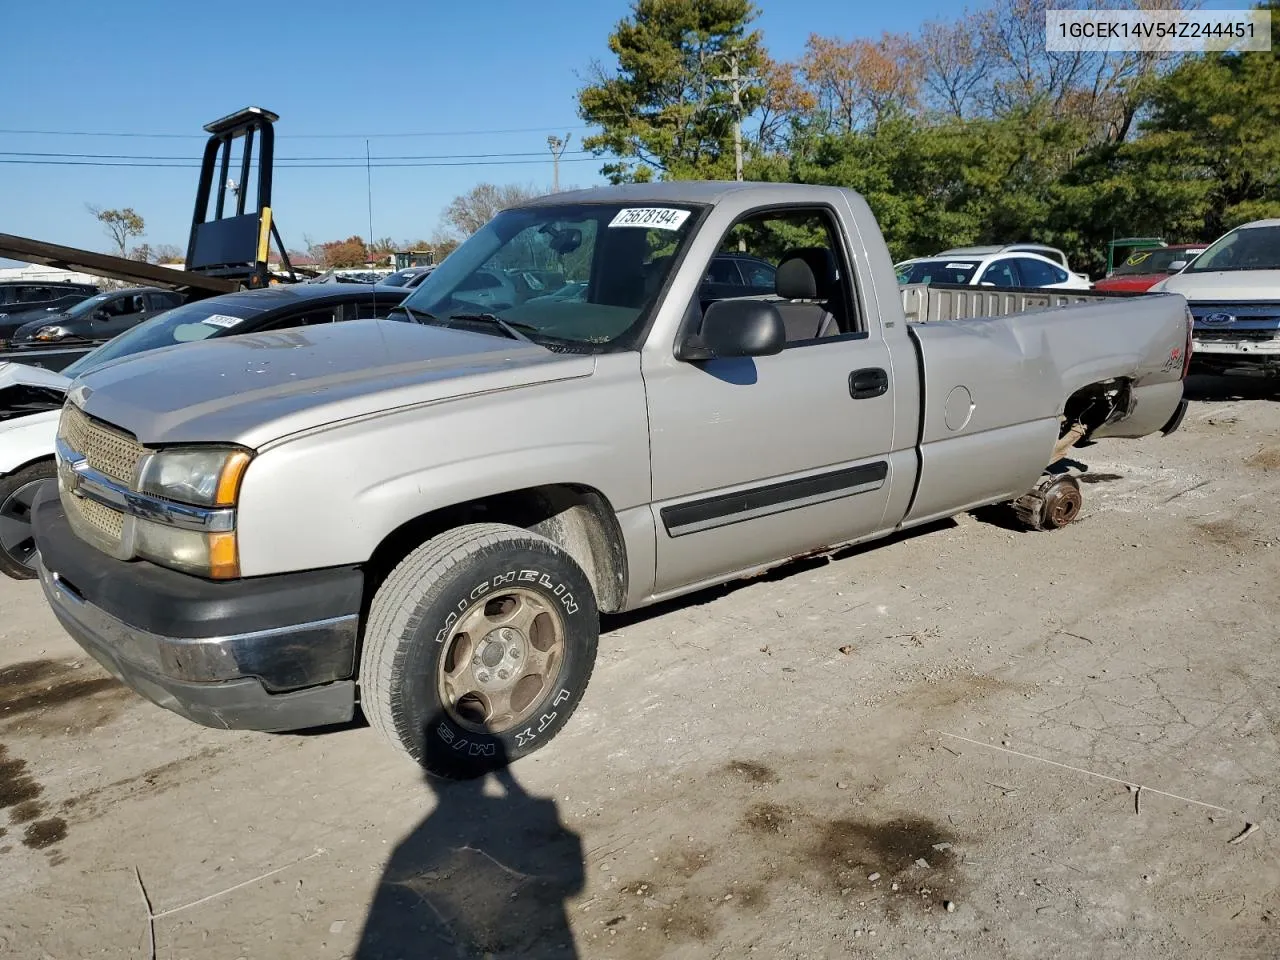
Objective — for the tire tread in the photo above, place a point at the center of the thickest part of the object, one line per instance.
(392, 615)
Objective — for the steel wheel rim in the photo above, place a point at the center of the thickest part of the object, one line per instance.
(501, 658)
(16, 537)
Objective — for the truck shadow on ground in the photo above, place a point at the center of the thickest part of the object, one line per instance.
(486, 874)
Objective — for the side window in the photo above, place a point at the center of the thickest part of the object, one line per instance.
(757, 274)
(1002, 273)
(373, 310)
(480, 280)
(118, 307)
(724, 270)
(309, 318)
(797, 253)
(1037, 273)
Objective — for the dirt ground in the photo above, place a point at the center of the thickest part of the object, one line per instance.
(811, 764)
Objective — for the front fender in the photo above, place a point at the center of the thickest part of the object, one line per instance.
(330, 497)
(25, 440)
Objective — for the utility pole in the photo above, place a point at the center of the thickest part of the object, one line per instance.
(736, 80)
(558, 146)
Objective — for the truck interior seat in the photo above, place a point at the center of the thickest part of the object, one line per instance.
(809, 287)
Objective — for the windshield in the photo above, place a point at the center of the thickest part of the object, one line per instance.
(937, 271)
(1244, 248)
(87, 306)
(1152, 261)
(612, 258)
(193, 321)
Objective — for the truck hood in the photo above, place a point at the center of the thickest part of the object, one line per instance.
(22, 375)
(1223, 285)
(256, 388)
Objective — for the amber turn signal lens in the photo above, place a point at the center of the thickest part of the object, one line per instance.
(224, 556)
(229, 479)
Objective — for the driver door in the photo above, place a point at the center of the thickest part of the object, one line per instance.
(759, 459)
(121, 313)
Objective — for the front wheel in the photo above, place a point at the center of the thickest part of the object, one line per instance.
(478, 648)
(17, 543)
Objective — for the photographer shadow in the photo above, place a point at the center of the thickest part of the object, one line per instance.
(484, 875)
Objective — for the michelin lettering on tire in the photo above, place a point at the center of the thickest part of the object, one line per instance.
(441, 591)
(558, 590)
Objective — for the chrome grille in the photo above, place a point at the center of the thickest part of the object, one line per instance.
(107, 523)
(109, 451)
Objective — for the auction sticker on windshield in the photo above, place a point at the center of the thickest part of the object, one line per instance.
(660, 218)
(222, 320)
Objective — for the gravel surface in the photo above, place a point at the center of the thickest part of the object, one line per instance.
(967, 742)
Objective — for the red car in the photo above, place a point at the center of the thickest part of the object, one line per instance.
(1145, 268)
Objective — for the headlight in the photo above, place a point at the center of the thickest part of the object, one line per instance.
(207, 478)
(51, 333)
(212, 555)
(200, 476)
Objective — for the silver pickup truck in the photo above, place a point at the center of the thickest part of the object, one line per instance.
(426, 519)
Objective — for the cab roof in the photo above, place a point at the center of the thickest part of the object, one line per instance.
(675, 191)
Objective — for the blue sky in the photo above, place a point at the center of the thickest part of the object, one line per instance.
(327, 68)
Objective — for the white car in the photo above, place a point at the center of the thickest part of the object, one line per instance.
(986, 250)
(26, 442)
(1001, 269)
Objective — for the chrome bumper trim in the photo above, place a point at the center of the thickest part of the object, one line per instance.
(283, 658)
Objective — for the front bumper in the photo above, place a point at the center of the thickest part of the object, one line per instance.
(268, 653)
(1240, 354)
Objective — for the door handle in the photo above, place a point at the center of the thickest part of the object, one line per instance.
(867, 383)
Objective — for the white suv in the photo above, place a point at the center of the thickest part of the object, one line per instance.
(1000, 269)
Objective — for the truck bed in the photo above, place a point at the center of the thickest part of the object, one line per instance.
(995, 388)
(934, 302)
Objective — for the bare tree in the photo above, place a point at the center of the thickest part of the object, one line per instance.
(1102, 89)
(169, 253)
(783, 97)
(956, 66)
(856, 84)
(120, 225)
(470, 211)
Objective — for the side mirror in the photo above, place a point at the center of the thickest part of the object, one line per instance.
(101, 314)
(1177, 265)
(737, 328)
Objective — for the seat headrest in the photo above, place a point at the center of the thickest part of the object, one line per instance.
(806, 273)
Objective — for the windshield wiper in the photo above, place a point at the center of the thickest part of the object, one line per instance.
(509, 328)
(420, 316)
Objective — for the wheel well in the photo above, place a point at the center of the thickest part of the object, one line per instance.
(34, 461)
(579, 519)
(1097, 404)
